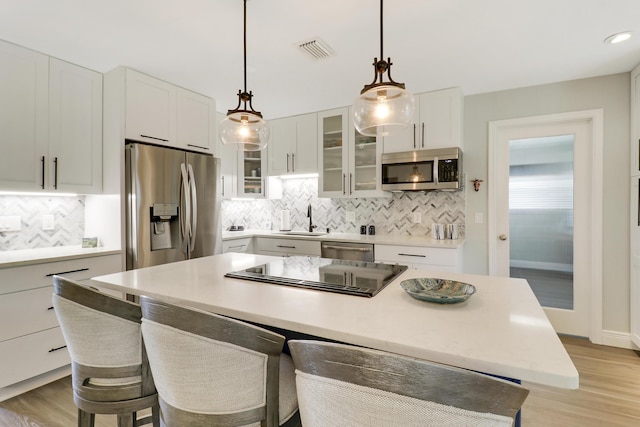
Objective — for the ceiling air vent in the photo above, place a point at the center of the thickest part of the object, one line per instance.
(315, 48)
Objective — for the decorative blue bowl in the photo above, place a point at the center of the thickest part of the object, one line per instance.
(441, 291)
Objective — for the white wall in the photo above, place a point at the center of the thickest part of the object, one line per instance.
(611, 93)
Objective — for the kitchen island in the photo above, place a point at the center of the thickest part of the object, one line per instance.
(501, 330)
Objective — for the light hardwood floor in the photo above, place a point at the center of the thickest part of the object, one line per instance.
(609, 395)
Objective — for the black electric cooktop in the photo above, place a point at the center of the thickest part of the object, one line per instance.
(359, 278)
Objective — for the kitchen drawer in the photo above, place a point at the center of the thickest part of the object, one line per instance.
(288, 246)
(237, 245)
(15, 279)
(26, 312)
(31, 355)
(417, 255)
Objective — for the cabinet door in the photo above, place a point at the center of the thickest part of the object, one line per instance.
(195, 121)
(305, 157)
(363, 179)
(407, 139)
(282, 145)
(150, 109)
(23, 118)
(251, 174)
(441, 119)
(75, 128)
(333, 154)
(635, 121)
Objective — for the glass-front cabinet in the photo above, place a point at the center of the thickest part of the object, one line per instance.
(349, 162)
(251, 174)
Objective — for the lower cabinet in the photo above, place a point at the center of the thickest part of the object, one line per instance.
(31, 342)
(287, 247)
(420, 257)
(243, 244)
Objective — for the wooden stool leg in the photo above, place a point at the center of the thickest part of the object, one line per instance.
(155, 416)
(127, 420)
(86, 419)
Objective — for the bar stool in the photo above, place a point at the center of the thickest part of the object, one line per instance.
(347, 386)
(212, 370)
(110, 370)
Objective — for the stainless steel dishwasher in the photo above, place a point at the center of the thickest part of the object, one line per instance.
(346, 250)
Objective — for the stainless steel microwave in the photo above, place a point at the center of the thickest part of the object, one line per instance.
(423, 170)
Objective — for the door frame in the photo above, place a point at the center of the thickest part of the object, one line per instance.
(595, 119)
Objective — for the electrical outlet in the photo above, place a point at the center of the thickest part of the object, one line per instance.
(10, 223)
(417, 217)
(351, 216)
(48, 222)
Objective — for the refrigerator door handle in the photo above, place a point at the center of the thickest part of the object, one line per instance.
(185, 218)
(194, 208)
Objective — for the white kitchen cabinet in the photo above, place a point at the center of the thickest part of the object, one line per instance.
(75, 128)
(243, 244)
(293, 145)
(420, 257)
(348, 162)
(50, 124)
(24, 92)
(252, 180)
(437, 123)
(634, 214)
(286, 247)
(162, 113)
(31, 342)
(195, 121)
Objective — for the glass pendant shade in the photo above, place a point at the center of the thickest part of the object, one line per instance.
(383, 108)
(248, 130)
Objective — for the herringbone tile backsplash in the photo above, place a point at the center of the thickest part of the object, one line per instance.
(68, 213)
(392, 215)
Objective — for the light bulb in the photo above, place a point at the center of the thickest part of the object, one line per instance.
(382, 110)
(244, 132)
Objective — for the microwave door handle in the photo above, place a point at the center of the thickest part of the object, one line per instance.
(194, 209)
(436, 179)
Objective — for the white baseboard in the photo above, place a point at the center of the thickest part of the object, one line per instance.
(35, 382)
(616, 339)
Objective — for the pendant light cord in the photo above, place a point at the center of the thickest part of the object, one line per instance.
(381, 53)
(245, 47)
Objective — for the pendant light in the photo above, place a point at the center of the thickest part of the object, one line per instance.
(382, 106)
(242, 126)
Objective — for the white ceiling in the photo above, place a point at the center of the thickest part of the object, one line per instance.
(479, 45)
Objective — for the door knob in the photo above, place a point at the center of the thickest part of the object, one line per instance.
(502, 237)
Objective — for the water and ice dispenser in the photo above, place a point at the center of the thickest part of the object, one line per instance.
(164, 226)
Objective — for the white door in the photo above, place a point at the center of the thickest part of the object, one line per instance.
(546, 213)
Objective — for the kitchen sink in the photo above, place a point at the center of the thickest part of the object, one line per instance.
(301, 233)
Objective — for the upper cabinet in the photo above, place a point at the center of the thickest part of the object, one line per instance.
(635, 121)
(162, 113)
(252, 181)
(50, 124)
(293, 145)
(349, 163)
(75, 128)
(437, 123)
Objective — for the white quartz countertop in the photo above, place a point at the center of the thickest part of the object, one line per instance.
(57, 253)
(378, 239)
(501, 330)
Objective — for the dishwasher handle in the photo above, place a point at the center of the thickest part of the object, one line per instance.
(347, 248)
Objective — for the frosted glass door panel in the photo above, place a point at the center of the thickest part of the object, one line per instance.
(541, 217)
(332, 159)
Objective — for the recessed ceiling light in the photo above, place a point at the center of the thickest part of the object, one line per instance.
(618, 37)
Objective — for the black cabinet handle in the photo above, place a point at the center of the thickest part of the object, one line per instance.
(42, 164)
(55, 173)
(50, 308)
(57, 348)
(284, 246)
(419, 256)
(153, 137)
(67, 272)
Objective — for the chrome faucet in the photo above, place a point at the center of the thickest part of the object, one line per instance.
(311, 226)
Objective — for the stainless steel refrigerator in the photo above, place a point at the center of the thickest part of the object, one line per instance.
(173, 205)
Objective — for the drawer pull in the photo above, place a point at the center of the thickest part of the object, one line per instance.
(237, 246)
(50, 308)
(67, 272)
(419, 256)
(285, 246)
(153, 137)
(57, 348)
